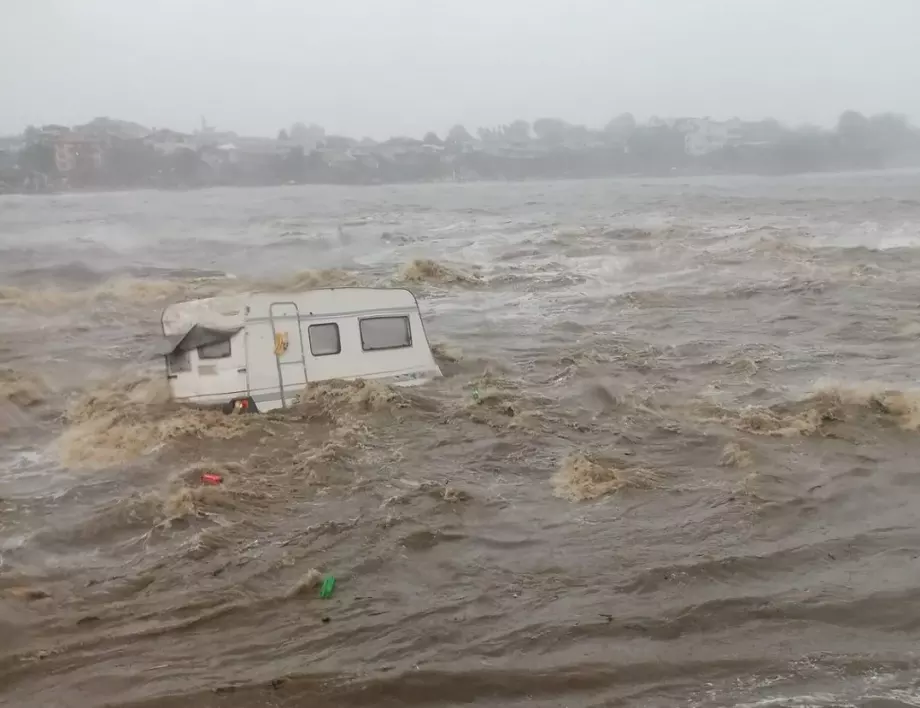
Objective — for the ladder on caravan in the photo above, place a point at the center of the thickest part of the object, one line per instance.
(290, 357)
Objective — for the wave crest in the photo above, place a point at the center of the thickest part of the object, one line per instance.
(584, 477)
(424, 270)
(123, 419)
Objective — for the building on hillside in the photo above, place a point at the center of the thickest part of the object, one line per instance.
(12, 143)
(241, 148)
(333, 157)
(166, 142)
(74, 151)
(10, 147)
(398, 148)
(703, 136)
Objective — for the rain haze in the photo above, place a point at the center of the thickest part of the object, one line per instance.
(403, 67)
(429, 354)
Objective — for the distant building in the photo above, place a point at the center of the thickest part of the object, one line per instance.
(333, 157)
(12, 143)
(10, 147)
(703, 136)
(657, 122)
(258, 146)
(335, 142)
(398, 148)
(166, 142)
(210, 137)
(73, 151)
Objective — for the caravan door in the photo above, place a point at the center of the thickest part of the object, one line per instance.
(287, 340)
(277, 371)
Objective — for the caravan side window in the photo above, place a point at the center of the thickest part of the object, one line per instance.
(385, 333)
(324, 339)
(218, 350)
(178, 362)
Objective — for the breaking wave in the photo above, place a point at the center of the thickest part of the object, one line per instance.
(817, 414)
(124, 419)
(337, 398)
(583, 477)
(186, 494)
(127, 418)
(434, 272)
(20, 394)
(733, 455)
(23, 390)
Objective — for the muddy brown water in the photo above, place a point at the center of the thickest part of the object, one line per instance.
(690, 477)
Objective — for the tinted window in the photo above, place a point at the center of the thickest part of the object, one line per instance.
(385, 333)
(324, 339)
(218, 350)
(178, 362)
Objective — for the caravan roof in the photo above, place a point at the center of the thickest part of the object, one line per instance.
(226, 312)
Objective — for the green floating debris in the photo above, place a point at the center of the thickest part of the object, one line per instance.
(328, 587)
(476, 395)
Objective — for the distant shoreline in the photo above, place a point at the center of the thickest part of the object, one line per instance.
(657, 175)
(114, 155)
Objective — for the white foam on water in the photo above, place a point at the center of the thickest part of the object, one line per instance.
(817, 700)
(869, 235)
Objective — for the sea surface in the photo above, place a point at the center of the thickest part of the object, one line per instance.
(674, 459)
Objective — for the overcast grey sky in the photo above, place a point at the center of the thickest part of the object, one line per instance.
(382, 67)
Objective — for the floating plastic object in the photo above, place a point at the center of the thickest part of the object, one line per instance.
(476, 395)
(208, 478)
(325, 592)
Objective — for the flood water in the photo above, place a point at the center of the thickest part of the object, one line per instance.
(672, 460)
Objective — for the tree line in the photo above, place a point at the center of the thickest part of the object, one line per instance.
(545, 149)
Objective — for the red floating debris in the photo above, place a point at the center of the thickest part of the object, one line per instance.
(209, 478)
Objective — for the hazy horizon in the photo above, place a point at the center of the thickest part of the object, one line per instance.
(404, 67)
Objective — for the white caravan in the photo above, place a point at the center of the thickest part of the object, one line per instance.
(258, 351)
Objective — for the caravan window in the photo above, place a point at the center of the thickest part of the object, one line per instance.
(178, 362)
(217, 350)
(385, 333)
(324, 339)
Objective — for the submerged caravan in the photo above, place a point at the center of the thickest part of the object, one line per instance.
(257, 351)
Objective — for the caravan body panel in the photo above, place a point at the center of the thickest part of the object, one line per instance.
(285, 341)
